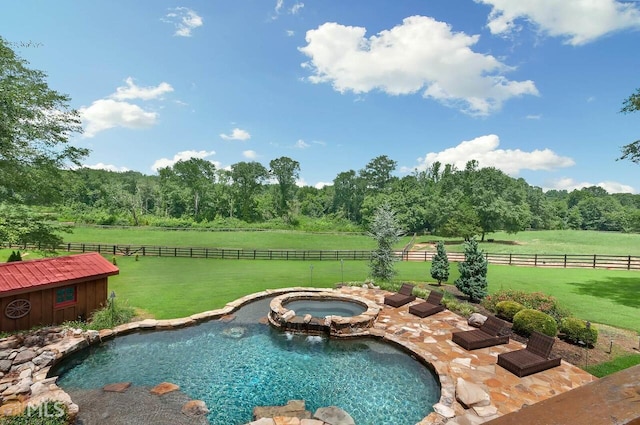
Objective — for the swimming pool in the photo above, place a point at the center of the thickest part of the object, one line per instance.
(235, 366)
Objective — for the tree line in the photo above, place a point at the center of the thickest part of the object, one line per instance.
(442, 199)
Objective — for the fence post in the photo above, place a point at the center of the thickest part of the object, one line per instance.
(565, 261)
(175, 252)
(254, 254)
(629, 263)
(238, 255)
(190, 252)
(594, 261)
(535, 260)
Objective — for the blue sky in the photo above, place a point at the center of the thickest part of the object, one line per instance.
(533, 87)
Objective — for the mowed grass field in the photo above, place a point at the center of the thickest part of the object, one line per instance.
(178, 287)
(216, 239)
(527, 242)
(551, 242)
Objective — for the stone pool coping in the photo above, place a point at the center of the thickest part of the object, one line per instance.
(282, 317)
(428, 340)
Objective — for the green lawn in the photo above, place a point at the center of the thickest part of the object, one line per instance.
(607, 368)
(238, 240)
(176, 287)
(552, 242)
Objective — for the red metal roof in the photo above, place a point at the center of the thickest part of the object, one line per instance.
(23, 276)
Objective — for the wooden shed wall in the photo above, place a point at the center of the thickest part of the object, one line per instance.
(90, 296)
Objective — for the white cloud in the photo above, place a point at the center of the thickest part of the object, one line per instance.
(533, 117)
(320, 185)
(296, 8)
(182, 156)
(185, 20)
(577, 21)
(301, 144)
(108, 167)
(319, 142)
(108, 113)
(570, 184)
(290, 33)
(421, 54)
(131, 91)
(249, 154)
(279, 4)
(236, 134)
(484, 149)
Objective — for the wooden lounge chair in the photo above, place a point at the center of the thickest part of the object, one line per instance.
(430, 306)
(402, 297)
(532, 359)
(485, 336)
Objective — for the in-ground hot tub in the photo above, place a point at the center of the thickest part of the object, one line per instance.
(323, 312)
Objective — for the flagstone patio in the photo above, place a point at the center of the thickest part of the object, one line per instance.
(430, 338)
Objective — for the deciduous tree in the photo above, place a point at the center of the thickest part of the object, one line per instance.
(632, 150)
(35, 125)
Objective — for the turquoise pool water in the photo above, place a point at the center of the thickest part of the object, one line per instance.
(323, 308)
(241, 364)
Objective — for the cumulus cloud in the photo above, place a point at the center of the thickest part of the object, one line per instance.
(184, 20)
(249, 154)
(108, 113)
(577, 21)
(131, 91)
(570, 184)
(320, 185)
(301, 144)
(182, 156)
(484, 149)
(419, 55)
(108, 167)
(236, 134)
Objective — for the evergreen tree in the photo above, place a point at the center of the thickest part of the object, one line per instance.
(386, 231)
(440, 264)
(473, 272)
(14, 256)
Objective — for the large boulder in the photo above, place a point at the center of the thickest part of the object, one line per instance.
(471, 395)
(476, 320)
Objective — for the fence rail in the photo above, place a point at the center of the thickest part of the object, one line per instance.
(595, 261)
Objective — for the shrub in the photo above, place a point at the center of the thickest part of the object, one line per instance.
(508, 309)
(534, 300)
(529, 320)
(473, 272)
(575, 331)
(111, 316)
(14, 256)
(454, 305)
(440, 264)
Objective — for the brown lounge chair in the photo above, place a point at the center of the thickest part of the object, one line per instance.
(430, 306)
(532, 359)
(402, 297)
(485, 336)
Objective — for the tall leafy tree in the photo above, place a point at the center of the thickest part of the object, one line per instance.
(632, 150)
(248, 178)
(349, 192)
(197, 175)
(440, 264)
(19, 226)
(377, 173)
(386, 231)
(473, 272)
(35, 125)
(286, 171)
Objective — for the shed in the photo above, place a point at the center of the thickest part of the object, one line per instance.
(50, 291)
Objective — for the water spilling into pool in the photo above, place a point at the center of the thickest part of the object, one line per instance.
(238, 365)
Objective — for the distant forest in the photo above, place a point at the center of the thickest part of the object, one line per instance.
(442, 200)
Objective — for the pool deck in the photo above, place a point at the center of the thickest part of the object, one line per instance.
(430, 338)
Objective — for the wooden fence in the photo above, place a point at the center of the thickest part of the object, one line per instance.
(595, 261)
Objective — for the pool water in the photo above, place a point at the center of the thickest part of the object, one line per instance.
(241, 364)
(322, 308)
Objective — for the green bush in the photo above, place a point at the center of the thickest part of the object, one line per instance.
(575, 331)
(534, 300)
(461, 308)
(111, 316)
(508, 309)
(529, 320)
